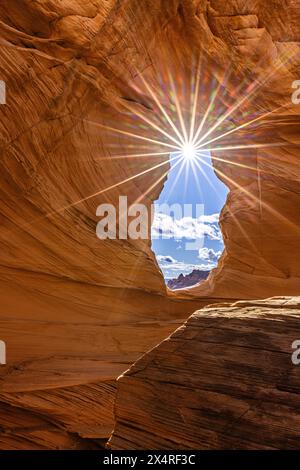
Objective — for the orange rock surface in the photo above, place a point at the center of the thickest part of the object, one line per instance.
(224, 380)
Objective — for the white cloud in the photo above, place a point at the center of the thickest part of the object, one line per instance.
(172, 269)
(165, 226)
(208, 254)
(165, 259)
(205, 226)
(210, 219)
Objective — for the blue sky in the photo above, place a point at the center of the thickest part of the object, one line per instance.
(188, 188)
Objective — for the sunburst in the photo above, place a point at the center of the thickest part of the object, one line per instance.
(183, 127)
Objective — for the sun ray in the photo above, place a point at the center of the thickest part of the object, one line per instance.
(97, 193)
(195, 95)
(160, 106)
(211, 103)
(268, 208)
(193, 164)
(178, 108)
(91, 196)
(182, 167)
(137, 146)
(130, 134)
(229, 162)
(205, 175)
(246, 146)
(231, 110)
(152, 124)
(137, 155)
(249, 95)
(142, 196)
(237, 128)
(186, 176)
(138, 261)
(243, 231)
(206, 114)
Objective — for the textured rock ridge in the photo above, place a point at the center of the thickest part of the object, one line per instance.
(188, 280)
(75, 311)
(224, 380)
(260, 221)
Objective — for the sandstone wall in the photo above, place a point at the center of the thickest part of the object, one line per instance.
(224, 380)
(75, 311)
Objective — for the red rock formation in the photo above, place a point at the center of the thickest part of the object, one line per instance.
(188, 280)
(260, 221)
(224, 380)
(75, 311)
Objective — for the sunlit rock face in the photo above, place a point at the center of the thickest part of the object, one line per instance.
(76, 311)
(224, 380)
(260, 220)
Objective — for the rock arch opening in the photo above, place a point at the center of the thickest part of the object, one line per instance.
(186, 236)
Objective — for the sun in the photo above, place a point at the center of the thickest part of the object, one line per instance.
(189, 151)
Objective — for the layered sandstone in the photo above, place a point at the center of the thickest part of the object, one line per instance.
(224, 380)
(260, 220)
(75, 311)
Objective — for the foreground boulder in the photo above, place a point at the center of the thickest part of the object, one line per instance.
(224, 380)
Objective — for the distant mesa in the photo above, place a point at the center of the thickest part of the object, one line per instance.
(188, 280)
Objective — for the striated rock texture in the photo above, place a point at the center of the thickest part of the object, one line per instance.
(260, 221)
(76, 311)
(224, 380)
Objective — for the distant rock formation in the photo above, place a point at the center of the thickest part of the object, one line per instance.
(188, 280)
